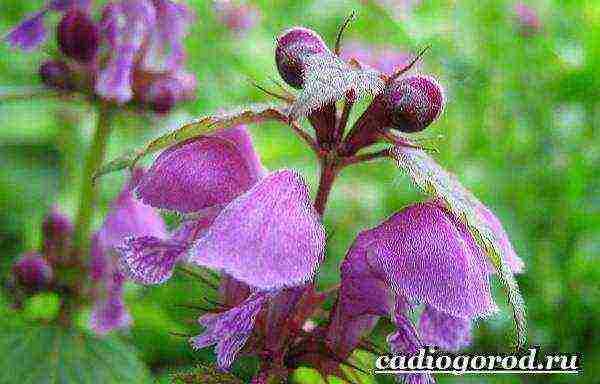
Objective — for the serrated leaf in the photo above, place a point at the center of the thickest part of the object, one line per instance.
(328, 79)
(52, 354)
(201, 126)
(427, 174)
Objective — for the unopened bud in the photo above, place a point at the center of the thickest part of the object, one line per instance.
(78, 36)
(414, 102)
(32, 271)
(293, 47)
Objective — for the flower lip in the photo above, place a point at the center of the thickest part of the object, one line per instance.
(414, 102)
(294, 45)
(78, 36)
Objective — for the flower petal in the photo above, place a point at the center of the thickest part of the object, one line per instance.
(200, 173)
(423, 257)
(229, 330)
(109, 313)
(124, 25)
(149, 260)
(447, 332)
(30, 33)
(405, 341)
(129, 217)
(270, 237)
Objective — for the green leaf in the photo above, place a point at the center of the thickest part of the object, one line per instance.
(52, 354)
(205, 374)
(435, 181)
(202, 126)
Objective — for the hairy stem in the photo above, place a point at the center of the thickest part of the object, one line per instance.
(88, 193)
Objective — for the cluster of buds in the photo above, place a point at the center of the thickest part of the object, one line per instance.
(406, 104)
(133, 54)
(35, 271)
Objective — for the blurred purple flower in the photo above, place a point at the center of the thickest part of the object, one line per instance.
(135, 52)
(30, 33)
(127, 217)
(386, 59)
(200, 175)
(237, 16)
(528, 20)
(419, 255)
(32, 271)
(124, 25)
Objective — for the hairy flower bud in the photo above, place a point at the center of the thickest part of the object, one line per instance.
(32, 271)
(409, 104)
(56, 74)
(78, 36)
(293, 47)
(414, 103)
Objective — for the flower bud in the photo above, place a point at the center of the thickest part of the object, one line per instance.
(408, 104)
(32, 271)
(56, 74)
(57, 230)
(78, 36)
(293, 46)
(414, 102)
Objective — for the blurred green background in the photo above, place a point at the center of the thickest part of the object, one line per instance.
(520, 129)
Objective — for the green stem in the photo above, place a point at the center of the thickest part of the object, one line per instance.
(89, 192)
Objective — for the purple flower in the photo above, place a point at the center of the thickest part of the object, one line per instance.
(164, 50)
(200, 175)
(229, 330)
(124, 25)
(384, 58)
(202, 172)
(32, 271)
(109, 311)
(127, 217)
(259, 229)
(422, 254)
(237, 16)
(527, 19)
(30, 33)
(269, 238)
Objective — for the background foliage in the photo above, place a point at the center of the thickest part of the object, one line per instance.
(520, 129)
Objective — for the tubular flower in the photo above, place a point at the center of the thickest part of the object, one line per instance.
(421, 255)
(127, 217)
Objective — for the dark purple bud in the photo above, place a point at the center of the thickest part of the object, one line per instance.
(57, 230)
(408, 104)
(293, 47)
(414, 102)
(32, 271)
(78, 36)
(56, 74)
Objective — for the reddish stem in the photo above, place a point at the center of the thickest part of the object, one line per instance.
(328, 175)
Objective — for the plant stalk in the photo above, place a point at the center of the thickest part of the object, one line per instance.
(89, 192)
